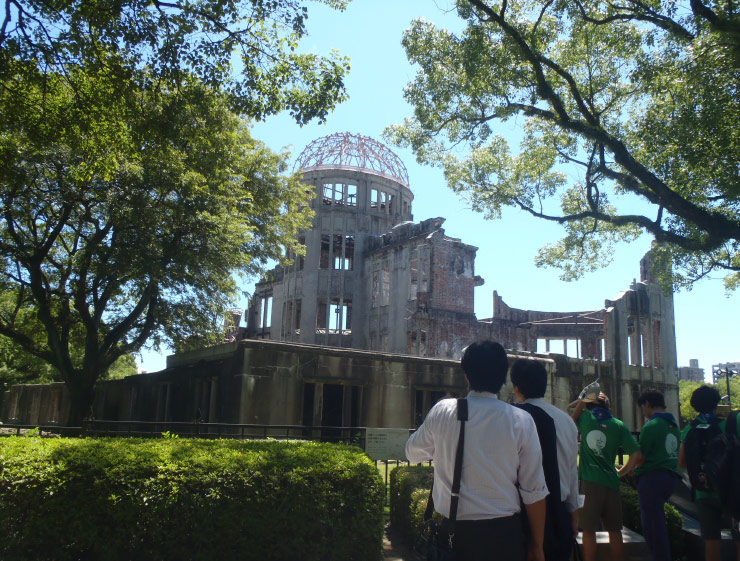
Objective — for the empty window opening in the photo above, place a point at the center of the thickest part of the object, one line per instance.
(374, 199)
(297, 323)
(344, 252)
(324, 259)
(309, 390)
(383, 203)
(265, 311)
(375, 299)
(414, 278)
(321, 316)
(287, 317)
(386, 288)
(328, 194)
(339, 194)
(351, 195)
(331, 411)
(340, 317)
(390, 204)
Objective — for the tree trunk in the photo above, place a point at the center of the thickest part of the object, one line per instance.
(81, 400)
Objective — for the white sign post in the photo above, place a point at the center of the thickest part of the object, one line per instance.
(386, 444)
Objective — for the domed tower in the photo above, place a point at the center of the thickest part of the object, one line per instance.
(362, 191)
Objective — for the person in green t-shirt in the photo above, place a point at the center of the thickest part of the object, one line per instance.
(602, 435)
(705, 400)
(657, 472)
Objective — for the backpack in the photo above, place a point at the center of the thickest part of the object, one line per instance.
(722, 465)
(558, 538)
(696, 446)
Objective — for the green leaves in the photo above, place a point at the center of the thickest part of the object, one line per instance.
(636, 102)
(127, 213)
(175, 40)
(188, 499)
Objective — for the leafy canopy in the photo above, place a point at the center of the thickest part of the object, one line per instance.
(131, 190)
(638, 100)
(127, 214)
(247, 48)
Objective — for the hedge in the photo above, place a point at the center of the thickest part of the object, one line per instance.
(177, 499)
(410, 489)
(409, 492)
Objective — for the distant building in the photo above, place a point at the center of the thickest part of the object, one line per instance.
(692, 372)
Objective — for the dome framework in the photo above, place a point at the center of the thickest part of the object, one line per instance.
(345, 149)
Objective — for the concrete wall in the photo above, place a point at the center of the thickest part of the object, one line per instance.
(273, 383)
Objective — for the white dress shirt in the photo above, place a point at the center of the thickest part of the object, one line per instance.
(501, 448)
(567, 444)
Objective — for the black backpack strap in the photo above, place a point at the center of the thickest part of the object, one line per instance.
(462, 415)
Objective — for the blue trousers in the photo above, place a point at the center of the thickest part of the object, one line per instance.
(654, 489)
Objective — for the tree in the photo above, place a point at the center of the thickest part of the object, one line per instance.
(685, 389)
(130, 187)
(639, 97)
(176, 40)
(126, 214)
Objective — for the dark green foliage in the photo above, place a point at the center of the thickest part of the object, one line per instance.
(177, 499)
(409, 493)
(631, 517)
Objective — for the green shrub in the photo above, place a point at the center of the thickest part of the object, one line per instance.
(631, 517)
(409, 489)
(182, 499)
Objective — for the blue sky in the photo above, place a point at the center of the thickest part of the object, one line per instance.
(369, 32)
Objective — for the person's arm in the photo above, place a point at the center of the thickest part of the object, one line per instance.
(637, 458)
(420, 445)
(536, 513)
(571, 501)
(577, 407)
(682, 457)
(574, 523)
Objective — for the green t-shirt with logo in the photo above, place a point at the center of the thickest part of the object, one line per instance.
(659, 441)
(721, 425)
(600, 442)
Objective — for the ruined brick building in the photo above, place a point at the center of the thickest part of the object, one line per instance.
(367, 328)
(373, 279)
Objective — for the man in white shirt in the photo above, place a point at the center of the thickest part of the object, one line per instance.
(501, 461)
(559, 442)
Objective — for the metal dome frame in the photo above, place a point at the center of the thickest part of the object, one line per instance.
(345, 149)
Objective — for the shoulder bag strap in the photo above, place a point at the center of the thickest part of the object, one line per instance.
(462, 416)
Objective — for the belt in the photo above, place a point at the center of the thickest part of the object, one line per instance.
(487, 522)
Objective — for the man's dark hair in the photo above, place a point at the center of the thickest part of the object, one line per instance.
(652, 397)
(705, 399)
(530, 377)
(485, 364)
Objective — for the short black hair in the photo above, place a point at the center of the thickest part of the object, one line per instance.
(530, 377)
(485, 364)
(652, 397)
(705, 399)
